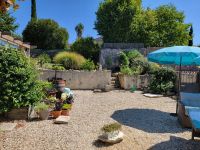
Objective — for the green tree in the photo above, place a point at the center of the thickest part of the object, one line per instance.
(45, 34)
(114, 18)
(126, 21)
(79, 30)
(191, 37)
(143, 28)
(7, 23)
(33, 10)
(171, 29)
(87, 48)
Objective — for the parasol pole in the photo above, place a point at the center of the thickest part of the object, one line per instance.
(179, 84)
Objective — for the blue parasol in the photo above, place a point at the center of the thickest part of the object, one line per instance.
(176, 55)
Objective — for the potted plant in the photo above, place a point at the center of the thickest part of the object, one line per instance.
(111, 130)
(51, 100)
(65, 109)
(70, 100)
(42, 110)
(51, 92)
(57, 109)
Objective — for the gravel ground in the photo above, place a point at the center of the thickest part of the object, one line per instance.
(146, 124)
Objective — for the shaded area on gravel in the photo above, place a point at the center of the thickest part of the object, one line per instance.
(176, 143)
(148, 120)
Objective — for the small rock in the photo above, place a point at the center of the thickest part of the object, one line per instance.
(152, 95)
(97, 90)
(62, 120)
(108, 88)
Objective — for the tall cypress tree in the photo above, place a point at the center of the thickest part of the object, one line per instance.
(33, 10)
(190, 43)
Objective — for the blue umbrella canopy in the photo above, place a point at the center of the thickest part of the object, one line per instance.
(197, 61)
(178, 55)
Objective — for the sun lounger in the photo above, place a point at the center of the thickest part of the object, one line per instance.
(194, 116)
(188, 101)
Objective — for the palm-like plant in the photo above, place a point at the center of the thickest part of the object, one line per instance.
(79, 30)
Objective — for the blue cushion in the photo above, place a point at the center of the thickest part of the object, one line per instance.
(195, 118)
(188, 108)
(190, 99)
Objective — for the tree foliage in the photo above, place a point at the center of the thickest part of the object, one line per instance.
(6, 4)
(87, 48)
(191, 37)
(7, 23)
(79, 30)
(114, 18)
(143, 28)
(33, 10)
(171, 29)
(126, 21)
(45, 34)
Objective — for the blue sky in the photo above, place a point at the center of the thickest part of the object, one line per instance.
(68, 13)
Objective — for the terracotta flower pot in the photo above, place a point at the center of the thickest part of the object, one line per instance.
(65, 112)
(56, 114)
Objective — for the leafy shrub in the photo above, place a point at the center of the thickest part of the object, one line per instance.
(130, 71)
(58, 67)
(153, 67)
(70, 60)
(163, 80)
(134, 54)
(141, 65)
(133, 63)
(45, 34)
(18, 78)
(43, 58)
(87, 48)
(53, 66)
(88, 65)
(123, 59)
(126, 70)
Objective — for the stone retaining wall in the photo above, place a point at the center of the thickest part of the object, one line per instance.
(109, 55)
(141, 81)
(80, 80)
